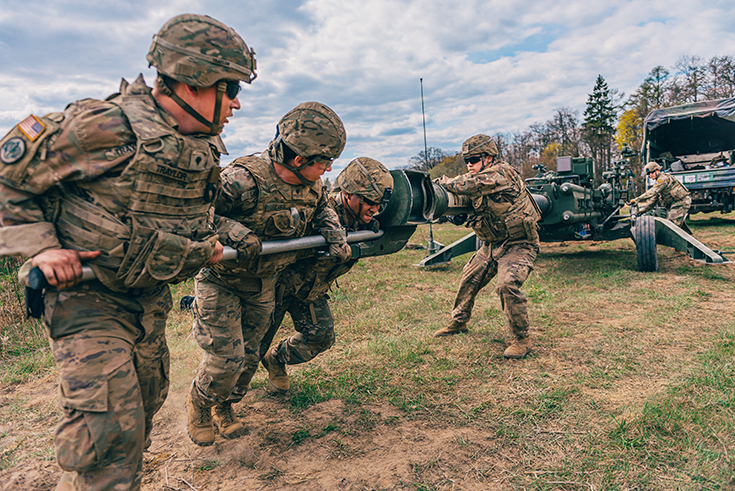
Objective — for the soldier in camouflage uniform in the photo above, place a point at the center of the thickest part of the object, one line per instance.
(126, 185)
(362, 188)
(667, 192)
(505, 218)
(275, 195)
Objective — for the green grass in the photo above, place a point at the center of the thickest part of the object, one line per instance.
(630, 385)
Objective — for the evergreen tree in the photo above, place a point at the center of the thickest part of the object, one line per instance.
(599, 124)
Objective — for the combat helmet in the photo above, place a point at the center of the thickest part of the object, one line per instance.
(200, 51)
(651, 167)
(367, 178)
(312, 131)
(478, 145)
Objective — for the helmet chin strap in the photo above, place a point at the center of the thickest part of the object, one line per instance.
(214, 127)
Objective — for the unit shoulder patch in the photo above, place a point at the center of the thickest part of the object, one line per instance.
(12, 150)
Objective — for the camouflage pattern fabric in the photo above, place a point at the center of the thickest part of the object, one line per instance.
(303, 294)
(311, 129)
(109, 344)
(198, 50)
(505, 219)
(511, 263)
(365, 177)
(668, 192)
(314, 326)
(235, 301)
(479, 144)
(113, 366)
(228, 326)
(503, 207)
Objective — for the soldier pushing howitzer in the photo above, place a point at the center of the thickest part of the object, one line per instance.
(505, 219)
(277, 194)
(363, 187)
(126, 185)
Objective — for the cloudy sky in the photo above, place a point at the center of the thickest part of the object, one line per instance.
(487, 65)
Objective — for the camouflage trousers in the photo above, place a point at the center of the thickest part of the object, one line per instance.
(229, 325)
(511, 263)
(314, 326)
(113, 362)
(677, 212)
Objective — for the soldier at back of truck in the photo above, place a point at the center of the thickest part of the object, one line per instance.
(667, 192)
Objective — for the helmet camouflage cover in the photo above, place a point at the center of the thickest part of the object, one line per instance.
(198, 50)
(652, 166)
(365, 177)
(312, 129)
(479, 144)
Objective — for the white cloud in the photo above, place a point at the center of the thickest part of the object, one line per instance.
(488, 66)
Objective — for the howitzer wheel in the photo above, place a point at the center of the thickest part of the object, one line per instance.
(644, 235)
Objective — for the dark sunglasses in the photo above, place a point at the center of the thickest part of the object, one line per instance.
(232, 89)
(472, 160)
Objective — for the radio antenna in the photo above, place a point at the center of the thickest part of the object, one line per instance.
(432, 246)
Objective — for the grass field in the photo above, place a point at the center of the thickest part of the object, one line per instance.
(630, 384)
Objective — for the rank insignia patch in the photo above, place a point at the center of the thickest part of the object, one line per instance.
(12, 150)
(31, 127)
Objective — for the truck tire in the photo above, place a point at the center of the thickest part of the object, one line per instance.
(644, 235)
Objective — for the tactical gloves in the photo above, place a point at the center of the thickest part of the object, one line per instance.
(341, 252)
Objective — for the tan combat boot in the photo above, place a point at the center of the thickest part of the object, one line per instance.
(519, 348)
(226, 422)
(200, 427)
(277, 376)
(454, 327)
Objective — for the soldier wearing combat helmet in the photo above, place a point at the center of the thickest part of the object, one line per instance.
(666, 191)
(126, 185)
(275, 195)
(505, 219)
(363, 188)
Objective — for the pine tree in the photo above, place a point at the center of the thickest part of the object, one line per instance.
(599, 124)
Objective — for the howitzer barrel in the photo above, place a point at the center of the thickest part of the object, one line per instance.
(441, 202)
(571, 217)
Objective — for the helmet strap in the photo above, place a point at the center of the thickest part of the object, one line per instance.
(214, 128)
(277, 158)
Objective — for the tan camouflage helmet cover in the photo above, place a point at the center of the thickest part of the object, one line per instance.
(651, 166)
(365, 177)
(198, 50)
(312, 129)
(479, 144)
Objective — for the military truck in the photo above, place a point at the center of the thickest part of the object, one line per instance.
(696, 144)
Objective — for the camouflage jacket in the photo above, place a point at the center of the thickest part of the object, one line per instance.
(666, 191)
(504, 209)
(311, 278)
(114, 176)
(255, 200)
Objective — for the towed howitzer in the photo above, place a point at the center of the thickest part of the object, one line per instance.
(572, 208)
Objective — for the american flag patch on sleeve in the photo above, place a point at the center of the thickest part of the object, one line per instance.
(31, 127)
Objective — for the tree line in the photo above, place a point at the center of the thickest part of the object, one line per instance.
(610, 120)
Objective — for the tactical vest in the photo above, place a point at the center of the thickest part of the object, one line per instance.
(152, 221)
(283, 211)
(673, 192)
(498, 221)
